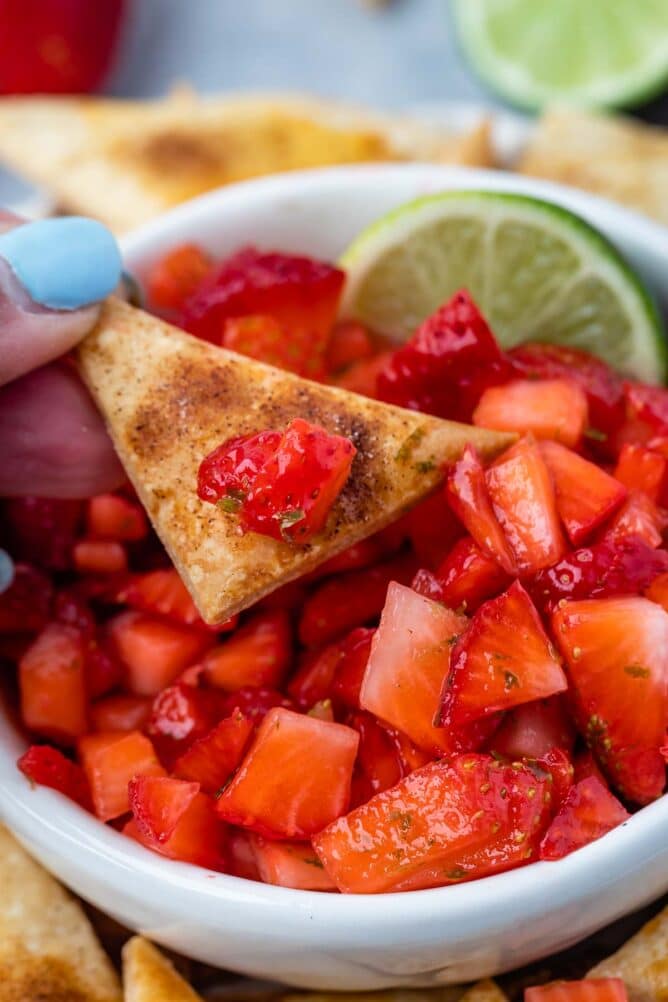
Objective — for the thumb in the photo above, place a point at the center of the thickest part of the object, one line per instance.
(53, 273)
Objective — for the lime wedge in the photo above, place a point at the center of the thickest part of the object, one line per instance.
(590, 52)
(537, 271)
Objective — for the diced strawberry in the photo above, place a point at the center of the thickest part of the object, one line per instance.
(468, 577)
(290, 864)
(558, 764)
(638, 517)
(254, 703)
(625, 567)
(426, 583)
(113, 517)
(300, 293)
(43, 531)
(469, 498)
(410, 653)
(363, 554)
(313, 680)
(241, 854)
(47, 766)
(103, 670)
(648, 404)
(591, 990)
(532, 729)
(120, 713)
(158, 803)
(199, 836)
(524, 502)
(231, 469)
(322, 710)
(588, 812)
(340, 604)
(26, 604)
(602, 386)
(552, 408)
(584, 765)
(262, 337)
(53, 685)
(176, 276)
(257, 654)
(586, 494)
(155, 650)
(164, 592)
(291, 487)
(110, 760)
(288, 598)
(349, 342)
(211, 759)
(615, 650)
(447, 822)
(179, 715)
(378, 756)
(362, 376)
(640, 469)
(295, 779)
(350, 670)
(446, 364)
(503, 659)
(432, 528)
(93, 556)
(658, 590)
(70, 607)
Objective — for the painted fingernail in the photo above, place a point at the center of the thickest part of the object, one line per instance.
(63, 263)
(6, 570)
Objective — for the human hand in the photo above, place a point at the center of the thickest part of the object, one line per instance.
(53, 274)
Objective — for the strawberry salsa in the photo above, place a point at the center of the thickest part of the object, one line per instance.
(479, 686)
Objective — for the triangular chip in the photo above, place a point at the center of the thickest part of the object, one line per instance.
(169, 399)
(608, 155)
(126, 161)
(445, 993)
(642, 963)
(484, 991)
(149, 977)
(48, 950)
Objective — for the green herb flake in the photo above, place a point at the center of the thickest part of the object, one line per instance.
(314, 861)
(596, 435)
(286, 519)
(425, 466)
(411, 443)
(404, 820)
(511, 681)
(637, 671)
(229, 505)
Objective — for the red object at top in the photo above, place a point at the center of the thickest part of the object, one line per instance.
(300, 293)
(280, 484)
(56, 46)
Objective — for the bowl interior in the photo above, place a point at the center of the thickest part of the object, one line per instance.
(319, 212)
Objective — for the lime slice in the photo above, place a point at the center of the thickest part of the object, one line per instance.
(537, 271)
(590, 52)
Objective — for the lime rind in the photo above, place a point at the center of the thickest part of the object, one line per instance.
(594, 301)
(561, 33)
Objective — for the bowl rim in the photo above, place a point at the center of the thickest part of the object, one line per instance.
(46, 814)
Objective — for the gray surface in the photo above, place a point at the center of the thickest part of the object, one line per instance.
(391, 56)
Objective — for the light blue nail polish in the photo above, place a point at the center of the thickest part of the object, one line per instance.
(63, 263)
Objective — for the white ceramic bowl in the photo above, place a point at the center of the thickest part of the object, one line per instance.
(331, 941)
